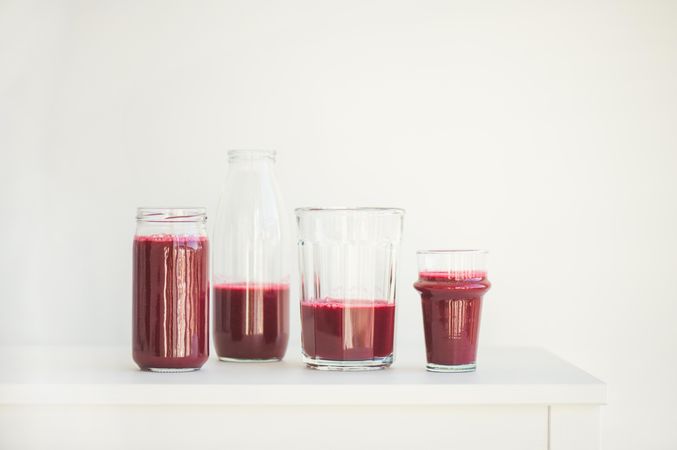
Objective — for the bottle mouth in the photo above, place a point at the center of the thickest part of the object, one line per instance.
(171, 214)
(238, 155)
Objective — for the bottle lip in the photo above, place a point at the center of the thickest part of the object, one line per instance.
(171, 214)
(373, 210)
(251, 154)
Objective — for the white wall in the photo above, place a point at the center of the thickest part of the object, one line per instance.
(543, 131)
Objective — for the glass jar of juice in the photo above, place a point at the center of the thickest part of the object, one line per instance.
(170, 315)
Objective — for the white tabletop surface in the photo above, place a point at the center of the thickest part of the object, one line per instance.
(107, 375)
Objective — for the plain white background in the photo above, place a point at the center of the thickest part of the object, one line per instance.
(545, 132)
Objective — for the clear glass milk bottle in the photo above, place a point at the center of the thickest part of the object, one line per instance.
(250, 262)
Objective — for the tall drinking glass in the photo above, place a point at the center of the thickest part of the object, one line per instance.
(348, 267)
(452, 283)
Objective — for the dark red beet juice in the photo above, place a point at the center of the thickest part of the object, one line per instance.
(251, 322)
(170, 302)
(452, 304)
(347, 330)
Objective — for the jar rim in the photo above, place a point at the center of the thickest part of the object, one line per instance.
(171, 214)
(452, 251)
(361, 209)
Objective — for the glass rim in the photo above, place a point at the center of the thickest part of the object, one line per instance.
(361, 209)
(251, 154)
(171, 213)
(452, 252)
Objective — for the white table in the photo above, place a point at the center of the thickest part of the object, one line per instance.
(94, 397)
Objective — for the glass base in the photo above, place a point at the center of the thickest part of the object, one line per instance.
(459, 368)
(348, 366)
(244, 360)
(171, 369)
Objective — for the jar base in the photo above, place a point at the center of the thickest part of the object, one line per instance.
(171, 369)
(245, 360)
(348, 366)
(456, 368)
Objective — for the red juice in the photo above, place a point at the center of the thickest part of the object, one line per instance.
(452, 305)
(170, 319)
(347, 330)
(251, 322)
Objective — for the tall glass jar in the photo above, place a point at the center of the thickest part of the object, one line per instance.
(251, 272)
(170, 317)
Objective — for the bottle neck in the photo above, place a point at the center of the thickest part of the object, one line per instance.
(251, 168)
(250, 162)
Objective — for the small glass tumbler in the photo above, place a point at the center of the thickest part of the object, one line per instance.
(348, 267)
(452, 283)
